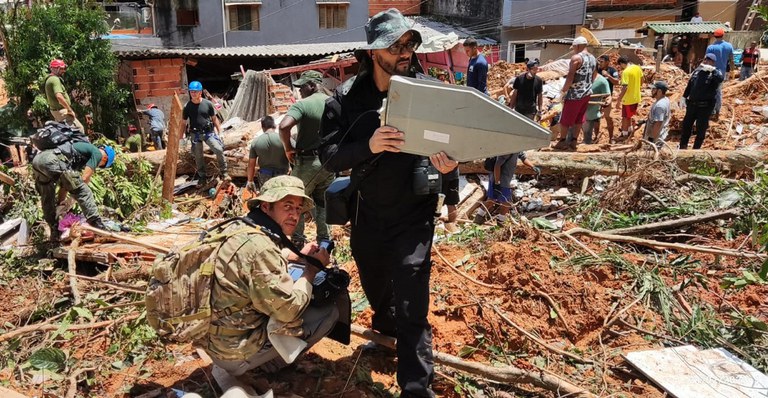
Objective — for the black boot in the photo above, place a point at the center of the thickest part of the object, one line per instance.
(97, 223)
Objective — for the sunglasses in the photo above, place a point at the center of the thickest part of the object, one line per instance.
(397, 48)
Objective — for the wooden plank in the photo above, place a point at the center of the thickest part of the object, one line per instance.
(172, 152)
(687, 372)
(5, 178)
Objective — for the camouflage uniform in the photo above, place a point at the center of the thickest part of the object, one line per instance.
(52, 166)
(252, 274)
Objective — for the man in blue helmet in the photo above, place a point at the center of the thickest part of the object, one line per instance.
(200, 116)
(70, 166)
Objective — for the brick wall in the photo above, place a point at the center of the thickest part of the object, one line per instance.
(407, 7)
(620, 4)
(280, 98)
(156, 77)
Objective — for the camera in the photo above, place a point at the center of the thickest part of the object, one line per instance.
(327, 244)
(426, 178)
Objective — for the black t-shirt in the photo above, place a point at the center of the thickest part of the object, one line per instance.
(199, 115)
(527, 90)
(612, 72)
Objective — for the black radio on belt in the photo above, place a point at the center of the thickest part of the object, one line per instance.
(426, 178)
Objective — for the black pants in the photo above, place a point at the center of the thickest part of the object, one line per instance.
(394, 265)
(698, 112)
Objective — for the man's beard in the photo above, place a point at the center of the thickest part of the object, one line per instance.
(392, 68)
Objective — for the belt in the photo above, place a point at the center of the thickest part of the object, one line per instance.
(307, 152)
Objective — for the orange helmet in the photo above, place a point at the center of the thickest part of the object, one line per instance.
(150, 106)
(57, 63)
(719, 32)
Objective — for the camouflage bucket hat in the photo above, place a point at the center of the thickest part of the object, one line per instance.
(385, 28)
(309, 76)
(278, 188)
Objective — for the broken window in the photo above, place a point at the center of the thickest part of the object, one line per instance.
(243, 17)
(333, 16)
(187, 13)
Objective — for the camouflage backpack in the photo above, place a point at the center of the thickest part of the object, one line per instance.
(178, 298)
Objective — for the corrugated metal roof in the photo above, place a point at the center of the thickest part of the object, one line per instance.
(429, 28)
(272, 50)
(684, 27)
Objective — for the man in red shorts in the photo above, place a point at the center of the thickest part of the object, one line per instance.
(631, 80)
(576, 93)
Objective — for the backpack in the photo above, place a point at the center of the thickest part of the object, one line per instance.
(178, 298)
(61, 136)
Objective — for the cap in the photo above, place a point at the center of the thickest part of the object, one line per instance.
(719, 32)
(309, 76)
(661, 85)
(711, 57)
(150, 106)
(531, 64)
(385, 28)
(57, 63)
(579, 41)
(278, 188)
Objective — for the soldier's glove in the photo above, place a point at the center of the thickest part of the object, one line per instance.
(537, 170)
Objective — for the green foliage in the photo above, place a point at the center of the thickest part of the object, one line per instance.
(127, 186)
(69, 30)
(50, 358)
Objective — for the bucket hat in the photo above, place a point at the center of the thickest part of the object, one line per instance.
(278, 188)
(385, 28)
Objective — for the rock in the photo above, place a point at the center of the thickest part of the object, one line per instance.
(562, 193)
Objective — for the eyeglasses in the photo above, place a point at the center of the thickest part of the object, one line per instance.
(397, 48)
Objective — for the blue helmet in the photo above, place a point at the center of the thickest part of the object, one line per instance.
(110, 155)
(195, 86)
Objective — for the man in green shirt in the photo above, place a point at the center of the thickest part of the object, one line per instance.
(306, 114)
(57, 97)
(133, 142)
(269, 151)
(71, 166)
(601, 98)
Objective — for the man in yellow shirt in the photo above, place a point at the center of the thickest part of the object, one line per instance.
(631, 80)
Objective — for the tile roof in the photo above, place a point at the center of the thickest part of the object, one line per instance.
(271, 50)
(684, 27)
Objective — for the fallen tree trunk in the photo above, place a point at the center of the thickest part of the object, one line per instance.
(575, 164)
(506, 374)
(672, 224)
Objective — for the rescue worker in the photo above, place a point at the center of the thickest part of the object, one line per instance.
(156, 124)
(250, 271)
(71, 169)
(392, 219)
(699, 97)
(268, 150)
(203, 126)
(306, 114)
(56, 95)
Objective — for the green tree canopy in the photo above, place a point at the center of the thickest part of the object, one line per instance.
(70, 30)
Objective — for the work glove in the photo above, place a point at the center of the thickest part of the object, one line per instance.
(250, 186)
(537, 170)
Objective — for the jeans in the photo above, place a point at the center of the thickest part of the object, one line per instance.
(699, 113)
(589, 127)
(217, 147)
(746, 72)
(316, 180)
(157, 138)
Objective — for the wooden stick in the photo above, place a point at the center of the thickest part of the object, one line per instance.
(557, 310)
(583, 246)
(621, 312)
(72, 390)
(538, 340)
(507, 374)
(657, 244)
(469, 278)
(73, 270)
(124, 238)
(45, 327)
(673, 224)
(6, 178)
(697, 177)
(120, 286)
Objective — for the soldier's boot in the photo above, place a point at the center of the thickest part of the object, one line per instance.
(96, 222)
